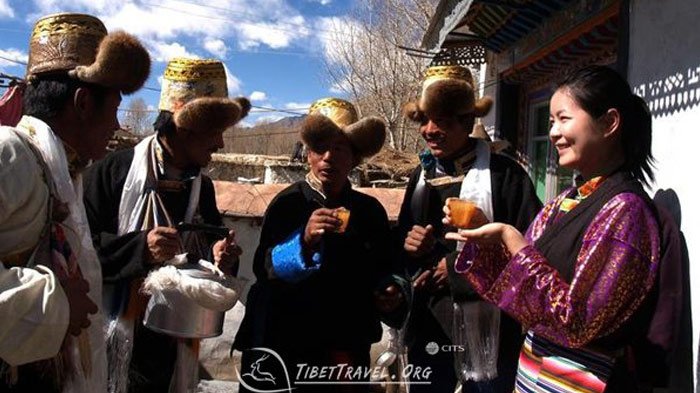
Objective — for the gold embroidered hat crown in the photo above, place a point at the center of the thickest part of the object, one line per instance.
(342, 112)
(195, 91)
(329, 116)
(80, 46)
(447, 91)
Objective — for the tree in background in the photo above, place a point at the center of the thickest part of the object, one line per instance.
(364, 60)
(137, 118)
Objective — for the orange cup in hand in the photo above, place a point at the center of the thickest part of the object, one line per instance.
(461, 212)
(343, 215)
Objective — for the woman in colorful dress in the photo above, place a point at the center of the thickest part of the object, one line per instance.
(582, 279)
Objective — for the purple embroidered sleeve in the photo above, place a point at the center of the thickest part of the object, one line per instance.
(481, 264)
(615, 269)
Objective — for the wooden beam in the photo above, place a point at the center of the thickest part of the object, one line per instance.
(572, 34)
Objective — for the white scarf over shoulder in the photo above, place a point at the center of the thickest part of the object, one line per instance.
(140, 190)
(70, 191)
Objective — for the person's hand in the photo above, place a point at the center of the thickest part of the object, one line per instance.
(433, 279)
(162, 243)
(420, 282)
(477, 220)
(80, 305)
(439, 278)
(494, 233)
(419, 241)
(388, 299)
(226, 253)
(321, 221)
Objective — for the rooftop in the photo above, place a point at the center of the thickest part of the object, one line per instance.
(251, 200)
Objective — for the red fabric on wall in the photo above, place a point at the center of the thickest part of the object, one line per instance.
(11, 106)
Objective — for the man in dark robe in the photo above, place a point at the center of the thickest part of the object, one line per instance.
(322, 276)
(136, 197)
(446, 113)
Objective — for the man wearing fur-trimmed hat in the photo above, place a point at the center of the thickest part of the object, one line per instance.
(136, 197)
(51, 336)
(323, 265)
(456, 165)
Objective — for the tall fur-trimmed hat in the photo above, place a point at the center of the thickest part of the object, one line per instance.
(78, 45)
(195, 91)
(447, 91)
(329, 116)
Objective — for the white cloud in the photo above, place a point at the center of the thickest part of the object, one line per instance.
(255, 34)
(12, 54)
(322, 2)
(340, 87)
(163, 20)
(337, 36)
(273, 23)
(6, 10)
(297, 106)
(274, 35)
(268, 119)
(258, 96)
(162, 51)
(232, 82)
(216, 47)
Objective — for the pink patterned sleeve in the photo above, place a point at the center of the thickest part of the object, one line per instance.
(615, 269)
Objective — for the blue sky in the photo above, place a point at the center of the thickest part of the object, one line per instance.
(274, 50)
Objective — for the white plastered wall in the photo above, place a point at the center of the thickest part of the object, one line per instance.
(664, 68)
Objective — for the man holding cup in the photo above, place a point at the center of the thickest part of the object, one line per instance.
(486, 186)
(324, 261)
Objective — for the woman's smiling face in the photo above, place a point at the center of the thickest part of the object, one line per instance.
(578, 138)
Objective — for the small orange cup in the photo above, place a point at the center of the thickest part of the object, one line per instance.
(343, 215)
(461, 212)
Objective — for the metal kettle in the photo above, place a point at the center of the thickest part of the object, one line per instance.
(172, 312)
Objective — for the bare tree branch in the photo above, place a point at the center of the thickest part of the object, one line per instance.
(137, 118)
(364, 61)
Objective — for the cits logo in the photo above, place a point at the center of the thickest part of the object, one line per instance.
(432, 348)
(265, 374)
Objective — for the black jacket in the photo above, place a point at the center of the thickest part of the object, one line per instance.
(122, 257)
(333, 309)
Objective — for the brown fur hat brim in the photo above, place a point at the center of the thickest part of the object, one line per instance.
(209, 114)
(447, 98)
(245, 105)
(367, 136)
(411, 111)
(121, 63)
(316, 129)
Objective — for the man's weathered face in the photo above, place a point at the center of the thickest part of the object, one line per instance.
(99, 123)
(331, 160)
(445, 136)
(200, 145)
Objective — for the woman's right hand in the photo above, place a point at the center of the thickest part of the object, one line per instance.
(490, 233)
(321, 221)
(493, 233)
